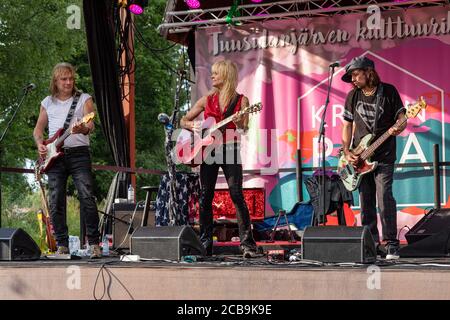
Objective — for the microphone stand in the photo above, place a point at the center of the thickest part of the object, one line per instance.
(321, 216)
(173, 206)
(26, 90)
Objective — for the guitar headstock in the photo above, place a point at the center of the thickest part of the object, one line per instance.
(87, 118)
(253, 108)
(413, 110)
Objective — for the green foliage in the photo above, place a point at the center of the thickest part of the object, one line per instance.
(33, 38)
(155, 91)
(23, 214)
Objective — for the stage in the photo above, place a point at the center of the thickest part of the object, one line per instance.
(224, 277)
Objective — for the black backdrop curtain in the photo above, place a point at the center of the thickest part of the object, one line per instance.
(99, 21)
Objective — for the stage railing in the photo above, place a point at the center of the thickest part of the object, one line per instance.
(436, 166)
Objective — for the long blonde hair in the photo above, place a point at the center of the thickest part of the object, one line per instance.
(228, 71)
(58, 71)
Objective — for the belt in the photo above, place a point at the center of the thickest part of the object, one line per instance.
(79, 149)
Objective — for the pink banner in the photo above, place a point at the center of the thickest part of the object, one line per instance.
(284, 64)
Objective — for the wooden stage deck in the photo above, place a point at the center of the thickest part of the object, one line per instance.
(223, 278)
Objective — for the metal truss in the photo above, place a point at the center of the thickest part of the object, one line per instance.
(184, 21)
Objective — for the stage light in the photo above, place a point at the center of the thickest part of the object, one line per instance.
(192, 4)
(257, 1)
(137, 6)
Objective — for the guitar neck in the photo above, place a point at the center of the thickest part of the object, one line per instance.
(222, 123)
(43, 196)
(374, 146)
(63, 137)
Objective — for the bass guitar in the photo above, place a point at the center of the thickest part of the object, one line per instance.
(55, 143)
(189, 147)
(351, 175)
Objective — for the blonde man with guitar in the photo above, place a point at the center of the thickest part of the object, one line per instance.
(373, 107)
(221, 102)
(67, 153)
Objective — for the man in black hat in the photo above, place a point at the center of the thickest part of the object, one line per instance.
(374, 107)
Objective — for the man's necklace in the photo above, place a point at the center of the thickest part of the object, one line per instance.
(369, 93)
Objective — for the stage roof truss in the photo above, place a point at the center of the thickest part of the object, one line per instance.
(180, 22)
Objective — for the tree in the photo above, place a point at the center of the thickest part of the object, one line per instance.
(156, 63)
(34, 36)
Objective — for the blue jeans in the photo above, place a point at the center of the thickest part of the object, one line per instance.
(77, 163)
(377, 185)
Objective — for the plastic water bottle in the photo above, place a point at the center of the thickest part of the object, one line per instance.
(74, 244)
(130, 194)
(105, 243)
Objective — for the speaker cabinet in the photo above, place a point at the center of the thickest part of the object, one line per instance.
(16, 244)
(430, 237)
(338, 244)
(166, 243)
(123, 217)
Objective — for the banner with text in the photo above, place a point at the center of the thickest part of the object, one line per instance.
(285, 65)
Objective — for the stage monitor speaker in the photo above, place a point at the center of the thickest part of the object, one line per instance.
(16, 244)
(338, 244)
(166, 243)
(430, 236)
(123, 213)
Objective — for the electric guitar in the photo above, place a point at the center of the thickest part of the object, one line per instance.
(55, 143)
(189, 146)
(350, 175)
(44, 215)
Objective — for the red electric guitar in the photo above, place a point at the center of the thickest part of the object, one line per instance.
(55, 143)
(190, 151)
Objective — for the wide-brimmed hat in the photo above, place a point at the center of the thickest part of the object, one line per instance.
(357, 63)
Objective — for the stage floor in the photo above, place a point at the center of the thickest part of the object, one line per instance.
(224, 277)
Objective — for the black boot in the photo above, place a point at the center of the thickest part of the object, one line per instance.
(208, 245)
(206, 238)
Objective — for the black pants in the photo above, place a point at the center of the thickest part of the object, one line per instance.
(76, 162)
(377, 186)
(232, 169)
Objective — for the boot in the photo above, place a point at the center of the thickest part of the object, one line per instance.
(206, 238)
(208, 245)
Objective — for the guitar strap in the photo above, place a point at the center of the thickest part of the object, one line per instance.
(378, 106)
(72, 109)
(231, 106)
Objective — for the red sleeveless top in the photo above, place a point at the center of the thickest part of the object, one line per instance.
(212, 109)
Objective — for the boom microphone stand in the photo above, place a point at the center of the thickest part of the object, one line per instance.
(169, 125)
(26, 90)
(321, 216)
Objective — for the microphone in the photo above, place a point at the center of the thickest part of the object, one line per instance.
(29, 87)
(163, 118)
(335, 64)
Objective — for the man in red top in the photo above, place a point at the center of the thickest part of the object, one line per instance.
(215, 104)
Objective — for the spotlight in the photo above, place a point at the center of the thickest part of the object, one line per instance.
(137, 6)
(192, 4)
(257, 1)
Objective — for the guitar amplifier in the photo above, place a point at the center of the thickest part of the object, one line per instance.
(124, 224)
